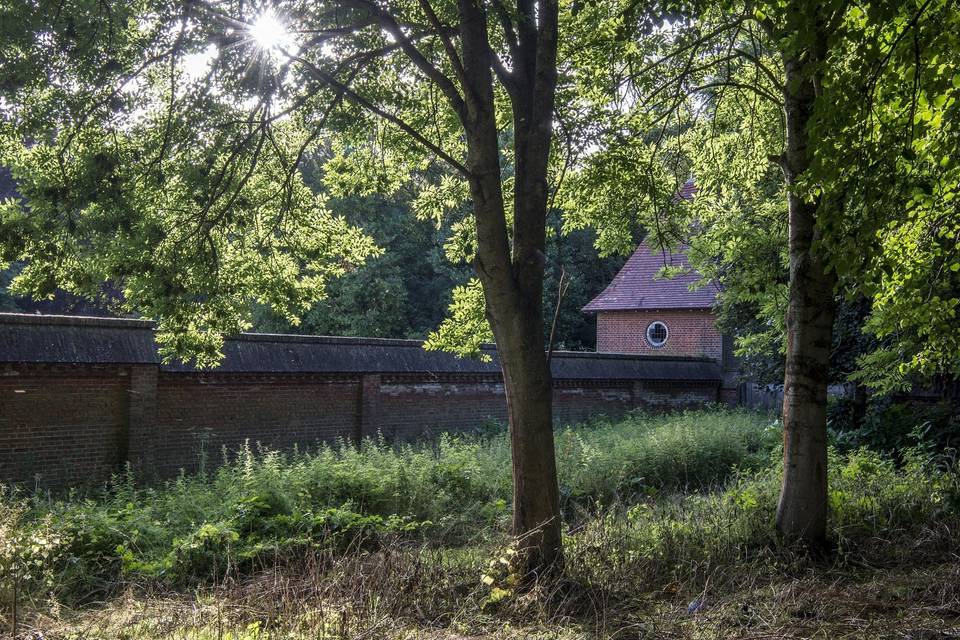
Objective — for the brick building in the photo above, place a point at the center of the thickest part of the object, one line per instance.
(642, 313)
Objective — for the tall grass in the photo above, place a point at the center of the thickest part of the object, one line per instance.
(453, 491)
(611, 461)
(881, 514)
(670, 504)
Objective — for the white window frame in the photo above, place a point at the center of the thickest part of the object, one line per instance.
(666, 329)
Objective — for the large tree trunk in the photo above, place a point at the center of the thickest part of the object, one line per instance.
(512, 276)
(513, 289)
(802, 510)
(514, 297)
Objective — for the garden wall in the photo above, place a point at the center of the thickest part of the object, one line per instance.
(82, 397)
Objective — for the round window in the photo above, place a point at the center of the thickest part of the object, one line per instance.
(657, 334)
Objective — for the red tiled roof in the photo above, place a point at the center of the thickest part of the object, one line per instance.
(638, 287)
(687, 190)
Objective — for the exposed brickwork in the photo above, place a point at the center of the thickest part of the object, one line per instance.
(108, 401)
(200, 415)
(672, 394)
(576, 402)
(141, 436)
(368, 411)
(692, 332)
(414, 406)
(77, 425)
(61, 425)
(730, 396)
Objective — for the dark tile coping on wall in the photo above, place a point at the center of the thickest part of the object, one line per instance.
(27, 338)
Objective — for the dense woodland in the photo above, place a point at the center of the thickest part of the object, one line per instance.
(403, 293)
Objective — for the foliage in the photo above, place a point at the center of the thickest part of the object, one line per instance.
(404, 291)
(703, 95)
(620, 461)
(165, 159)
(871, 498)
(7, 301)
(684, 122)
(29, 551)
(887, 133)
(465, 330)
(399, 294)
(571, 254)
(895, 427)
(259, 506)
(346, 568)
(159, 149)
(114, 193)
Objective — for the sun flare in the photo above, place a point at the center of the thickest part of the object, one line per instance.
(269, 33)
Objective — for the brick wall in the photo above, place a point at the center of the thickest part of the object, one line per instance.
(201, 414)
(575, 402)
(113, 402)
(61, 425)
(691, 333)
(76, 425)
(411, 406)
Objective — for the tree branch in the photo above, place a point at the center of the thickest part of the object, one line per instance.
(762, 67)
(363, 102)
(506, 23)
(390, 24)
(447, 43)
(763, 93)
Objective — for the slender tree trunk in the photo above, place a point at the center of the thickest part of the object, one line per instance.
(802, 510)
(511, 269)
(529, 390)
(515, 310)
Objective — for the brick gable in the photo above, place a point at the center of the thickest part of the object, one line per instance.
(691, 333)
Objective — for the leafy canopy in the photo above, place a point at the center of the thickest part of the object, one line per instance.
(157, 144)
(703, 95)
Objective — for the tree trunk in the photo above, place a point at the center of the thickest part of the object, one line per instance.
(512, 276)
(514, 300)
(529, 390)
(514, 297)
(802, 509)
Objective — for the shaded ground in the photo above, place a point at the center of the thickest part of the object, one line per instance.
(411, 544)
(911, 604)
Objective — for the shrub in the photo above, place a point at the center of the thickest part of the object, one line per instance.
(29, 551)
(878, 509)
(609, 461)
(894, 427)
(265, 506)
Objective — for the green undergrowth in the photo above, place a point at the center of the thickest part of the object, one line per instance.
(649, 501)
(881, 513)
(258, 505)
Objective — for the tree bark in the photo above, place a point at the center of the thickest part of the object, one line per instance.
(514, 299)
(802, 509)
(512, 276)
(529, 390)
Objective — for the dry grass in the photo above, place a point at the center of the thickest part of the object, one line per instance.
(415, 594)
(919, 603)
